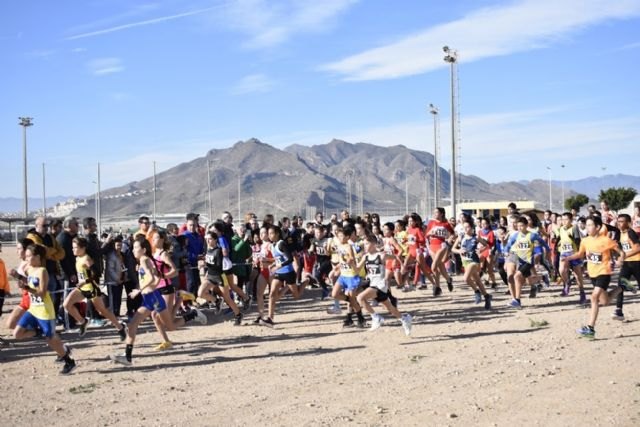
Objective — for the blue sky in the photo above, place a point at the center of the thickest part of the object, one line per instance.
(542, 83)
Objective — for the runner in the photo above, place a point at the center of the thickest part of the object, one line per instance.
(346, 287)
(468, 246)
(568, 241)
(597, 249)
(630, 244)
(20, 275)
(216, 280)
(487, 255)
(39, 320)
(439, 233)
(374, 262)
(87, 288)
(520, 262)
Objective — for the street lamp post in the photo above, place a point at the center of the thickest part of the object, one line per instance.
(434, 111)
(25, 122)
(550, 194)
(451, 57)
(562, 182)
(44, 191)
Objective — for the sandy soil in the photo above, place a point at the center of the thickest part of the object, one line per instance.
(461, 366)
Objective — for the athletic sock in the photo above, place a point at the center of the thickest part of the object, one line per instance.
(360, 316)
(620, 300)
(128, 351)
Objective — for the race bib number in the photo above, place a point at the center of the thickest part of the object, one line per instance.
(344, 266)
(468, 256)
(373, 270)
(36, 300)
(595, 258)
(626, 247)
(440, 232)
(523, 246)
(320, 250)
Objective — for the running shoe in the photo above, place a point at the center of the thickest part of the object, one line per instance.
(514, 304)
(246, 304)
(565, 292)
(477, 297)
(437, 291)
(200, 317)
(487, 301)
(82, 329)
(335, 309)
(618, 315)
(165, 345)
(449, 284)
(583, 297)
(267, 322)
(423, 286)
(97, 323)
(123, 331)
(361, 324)
(539, 287)
(406, 288)
(407, 320)
(628, 286)
(494, 285)
(67, 352)
(120, 358)
(533, 292)
(376, 321)
(348, 322)
(238, 320)
(69, 366)
(545, 279)
(257, 321)
(587, 332)
(325, 294)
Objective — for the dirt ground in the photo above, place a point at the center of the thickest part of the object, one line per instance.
(461, 366)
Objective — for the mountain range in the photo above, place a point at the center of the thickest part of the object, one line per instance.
(284, 181)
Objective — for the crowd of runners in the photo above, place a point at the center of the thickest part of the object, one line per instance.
(71, 279)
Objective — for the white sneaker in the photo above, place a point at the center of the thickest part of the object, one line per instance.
(120, 358)
(335, 309)
(200, 317)
(406, 323)
(376, 321)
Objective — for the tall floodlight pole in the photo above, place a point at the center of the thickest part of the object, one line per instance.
(434, 111)
(98, 202)
(452, 57)
(154, 190)
(44, 191)
(550, 194)
(25, 122)
(209, 190)
(562, 181)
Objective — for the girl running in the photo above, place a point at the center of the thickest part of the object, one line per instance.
(467, 246)
(88, 288)
(439, 232)
(40, 317)
(20, 275)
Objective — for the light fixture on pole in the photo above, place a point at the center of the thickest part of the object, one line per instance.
(209, 190)
(44, 191)
(562, 183)
(25, 122)
(154, 190)
(434, 111)
(451, 57)
(550, 194)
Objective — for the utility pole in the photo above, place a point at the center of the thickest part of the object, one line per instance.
(452, 57)
(25, 122)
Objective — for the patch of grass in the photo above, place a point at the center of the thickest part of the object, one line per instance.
(538, 323)
(83, 388)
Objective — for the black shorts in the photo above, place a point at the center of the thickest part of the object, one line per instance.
(93, 293)
(382, 296)
(630, 269)
(601, 281)
(286, 278)
(523, 267)
(215, 280)
(167, 290)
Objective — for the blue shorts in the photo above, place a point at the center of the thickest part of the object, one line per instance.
(538, 250)
(349, 283)
(153, 301)
(29, 321)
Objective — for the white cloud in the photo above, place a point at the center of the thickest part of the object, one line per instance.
(254, 83)
(78, 50)
(104, 66)
(41, 54)
(488, 32)
(268, 23)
